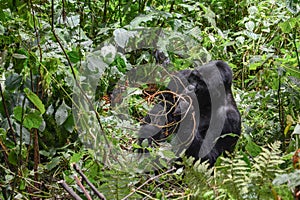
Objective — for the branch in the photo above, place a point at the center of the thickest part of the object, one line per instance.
(7, 116)
(99, 194)
(83, 188)
(69, 190)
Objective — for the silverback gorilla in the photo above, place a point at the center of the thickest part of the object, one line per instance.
(199, 112)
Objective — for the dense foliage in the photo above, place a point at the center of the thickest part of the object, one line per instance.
(48, 99)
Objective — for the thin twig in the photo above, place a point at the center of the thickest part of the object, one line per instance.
(185, 98)
(99, 194)
(7, 116)
(146, 182)
(83, 188)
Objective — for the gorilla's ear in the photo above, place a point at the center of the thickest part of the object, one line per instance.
(225, 71)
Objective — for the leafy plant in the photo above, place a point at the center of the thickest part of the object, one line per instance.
(44, 47)
(239, 177)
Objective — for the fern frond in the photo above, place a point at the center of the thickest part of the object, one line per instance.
(244, 181)
(236, 173)
(268, 161)
(201, 182)
(238, 178)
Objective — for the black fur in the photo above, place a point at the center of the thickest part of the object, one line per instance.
(198, 110)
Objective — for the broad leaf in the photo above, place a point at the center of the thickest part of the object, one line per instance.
(30, 120)
(18, 113)
(35, 100)
(33, 120)
(13, 158)
(53, 163)
(74, 56)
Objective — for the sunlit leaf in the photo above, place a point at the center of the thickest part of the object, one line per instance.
(19, 56)
(252, 148)
(252, 10)
(142, 18)
(35, 100)
(296, 130)
(76, 157)
(250, 26)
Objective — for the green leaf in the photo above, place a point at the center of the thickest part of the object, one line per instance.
(74, 56)
(18, 113)
(163, 163)
(294, 71)
(69, 124)
(53, 163)
(2, 30)
(168, 154)
(209, 15)
(253, 149)
(35, 100)
(12, 158)
(30, 20)
(76, 157)
(285, 27)
(33, 120)
(254, 66)
(289, 25)
(2, 134)
(22, 184)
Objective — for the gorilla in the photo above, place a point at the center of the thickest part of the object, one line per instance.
(198, 110)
